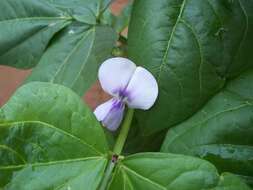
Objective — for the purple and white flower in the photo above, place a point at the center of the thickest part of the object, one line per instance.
(128, 85)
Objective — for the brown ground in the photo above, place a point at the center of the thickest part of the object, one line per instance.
(11, 79)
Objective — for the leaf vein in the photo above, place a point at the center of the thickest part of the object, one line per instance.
(144, 178)
(52, 127)
(69, 55)
(51, 163)
(13, 151)
(170, 40)
(200, 54)
(83, 64)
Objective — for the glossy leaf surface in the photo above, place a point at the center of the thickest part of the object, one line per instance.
(222, 131)
(50, 139)
(158, 171)
(191, 47)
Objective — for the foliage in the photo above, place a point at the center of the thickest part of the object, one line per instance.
(198, 50)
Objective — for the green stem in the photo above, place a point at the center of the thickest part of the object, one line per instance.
(117, 148)
(107, 175)
(123, 132)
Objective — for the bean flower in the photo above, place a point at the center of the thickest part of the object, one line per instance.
(128, 85)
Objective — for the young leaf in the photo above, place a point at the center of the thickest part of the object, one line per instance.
(26, 28)
(159, 171)
(50, 139)
(190, 46)
(74, 56)
(222, 131)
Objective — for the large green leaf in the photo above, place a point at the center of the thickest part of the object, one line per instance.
(158, 171)
(26, 28)
(222, 131)
(49, 139)
(190, 46)
(74, 57)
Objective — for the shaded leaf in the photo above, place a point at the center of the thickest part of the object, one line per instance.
(138, 142)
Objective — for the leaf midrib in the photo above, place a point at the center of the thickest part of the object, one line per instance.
(35, 18)
(142, 177)
(87, 58)
(2, 146)
(52, 162)
(52, 127)
(170, 39)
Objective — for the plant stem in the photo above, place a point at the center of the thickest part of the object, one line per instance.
(107, 175)
(117, 148)
(123, 132)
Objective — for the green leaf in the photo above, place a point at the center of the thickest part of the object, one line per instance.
(50, 139)
(138, 142)
(74, 57)
(222, 131)
(231, 182)
(26, 29)
(159, 171)
(86, 11)
(190, 47)
(74, 174)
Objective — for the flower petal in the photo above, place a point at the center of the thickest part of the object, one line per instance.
(142, 89)
(102, 110)
(110, 113)
(114, 118)
(115, 73)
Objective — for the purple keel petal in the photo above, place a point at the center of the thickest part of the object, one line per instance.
(142, 89)
(115, 116)
(102, 110)
(115, 74)
(110, 113)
